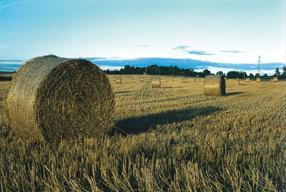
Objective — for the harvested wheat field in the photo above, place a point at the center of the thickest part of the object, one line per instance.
(172, 138)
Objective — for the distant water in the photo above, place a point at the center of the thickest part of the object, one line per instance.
(10, 65)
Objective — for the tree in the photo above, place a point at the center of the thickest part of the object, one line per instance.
(277, 72)
(220, 73)
(206, 72)
(251, 76)
(284, 70)
(235, 75)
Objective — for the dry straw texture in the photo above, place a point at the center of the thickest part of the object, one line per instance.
(214, 85)
(156, 83)
(185, 80)
(53, 98)
(247, 79)
(238, 81)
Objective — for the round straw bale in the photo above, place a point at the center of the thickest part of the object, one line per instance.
(275, 79)
(54, 98)
(156, 83)
(214, 85)
(118, 80)
(258, 79)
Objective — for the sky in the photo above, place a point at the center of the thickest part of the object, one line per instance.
(229, 31)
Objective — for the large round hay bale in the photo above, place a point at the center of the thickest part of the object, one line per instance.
(214, 85)
(54, 98)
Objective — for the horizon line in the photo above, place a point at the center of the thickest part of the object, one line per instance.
(137, 58)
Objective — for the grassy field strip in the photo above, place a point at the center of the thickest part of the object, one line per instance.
(165, 103)
(133, 86)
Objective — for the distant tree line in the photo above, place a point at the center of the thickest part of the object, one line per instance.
(174, 70)
(159, 70)
(281, 75)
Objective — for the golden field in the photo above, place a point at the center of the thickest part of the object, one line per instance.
(171, 138)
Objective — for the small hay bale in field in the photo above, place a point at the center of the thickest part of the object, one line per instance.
(214, 85)
(258, 79)
(247, 79)
(275, 79)
(118, 80)
(54, 98)
(156, 83)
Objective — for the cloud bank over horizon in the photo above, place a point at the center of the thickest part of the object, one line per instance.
(234, 31)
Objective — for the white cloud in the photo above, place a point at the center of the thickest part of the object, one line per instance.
(105, 67)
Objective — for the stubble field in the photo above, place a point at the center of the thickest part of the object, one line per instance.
(166, 139)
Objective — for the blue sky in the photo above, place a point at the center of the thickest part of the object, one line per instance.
(233, 31)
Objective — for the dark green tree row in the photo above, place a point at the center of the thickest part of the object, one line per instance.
(281, 75)
(174, 70)
(159, 70)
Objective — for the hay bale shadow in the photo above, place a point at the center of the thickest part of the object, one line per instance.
(137, 125)
(234, 93)
(122, 92)
(169, 87)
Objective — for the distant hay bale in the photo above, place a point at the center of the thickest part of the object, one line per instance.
(214, 85)
(258, 79)
(118, 80)
(247, 79)
(54, 98)
(156, 83)
(275, 79)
